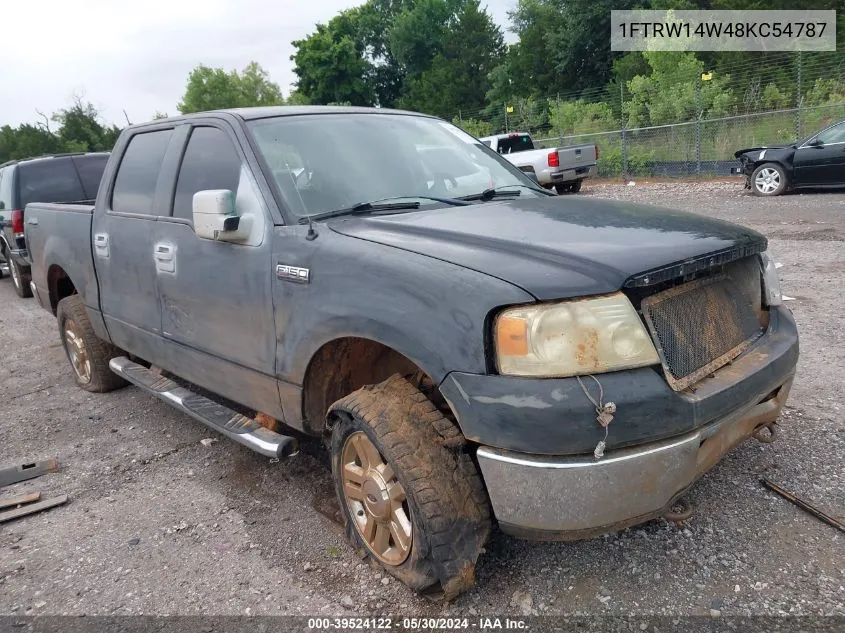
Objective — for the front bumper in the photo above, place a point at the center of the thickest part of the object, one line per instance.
(551, 416)
(565, 498)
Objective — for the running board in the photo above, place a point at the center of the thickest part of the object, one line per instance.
(222, 419)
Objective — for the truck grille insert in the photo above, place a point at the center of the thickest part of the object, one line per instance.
(700, 326)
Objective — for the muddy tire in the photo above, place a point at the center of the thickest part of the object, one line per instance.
(768, 179)
(20, 280)
(87, 354)
(388, 451)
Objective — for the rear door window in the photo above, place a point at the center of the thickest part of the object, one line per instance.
(90, 169)
(50, 180)
(137, 176)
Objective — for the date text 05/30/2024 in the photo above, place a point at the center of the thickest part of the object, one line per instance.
(415, 624)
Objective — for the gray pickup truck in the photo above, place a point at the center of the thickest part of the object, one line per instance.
(561, 367)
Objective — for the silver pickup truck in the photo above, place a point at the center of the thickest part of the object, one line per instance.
(563, 168)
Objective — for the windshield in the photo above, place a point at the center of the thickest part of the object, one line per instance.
(334, 161)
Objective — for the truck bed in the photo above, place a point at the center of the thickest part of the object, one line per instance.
(574, 163)
(63, 231)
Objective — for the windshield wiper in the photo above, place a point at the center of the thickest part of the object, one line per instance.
(502, 191)
(383, 204)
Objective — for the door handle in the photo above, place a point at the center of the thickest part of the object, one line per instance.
(164, 256)
(164, 252)
(101, 245)
(32, 221)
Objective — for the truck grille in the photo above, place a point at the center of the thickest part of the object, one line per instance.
(700, 326)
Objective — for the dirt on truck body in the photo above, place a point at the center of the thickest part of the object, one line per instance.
(471, 353)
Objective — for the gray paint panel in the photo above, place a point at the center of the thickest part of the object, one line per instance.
(362, 289)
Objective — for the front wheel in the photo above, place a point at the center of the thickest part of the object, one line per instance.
(88, 355)
(410, 504)
(20, 280)
(769, 179)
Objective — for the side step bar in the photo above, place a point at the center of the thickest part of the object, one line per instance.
(222, 419)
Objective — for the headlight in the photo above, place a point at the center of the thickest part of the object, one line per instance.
(771, 281)
(583, 336)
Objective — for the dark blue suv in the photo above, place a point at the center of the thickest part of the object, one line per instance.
(57, 178)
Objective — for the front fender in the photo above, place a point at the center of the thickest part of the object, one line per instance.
(433, 312)
(422, 353)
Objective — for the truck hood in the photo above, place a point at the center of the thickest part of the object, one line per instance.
(560, 247)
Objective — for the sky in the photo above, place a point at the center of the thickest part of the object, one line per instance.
(135, 55)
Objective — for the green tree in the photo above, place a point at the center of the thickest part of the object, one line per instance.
(668, 93)
(530, 66)
(527, 115)
(330, 63)
(458, 76)
(419, 33)
(214, 88)
(476, 127)
(26, 140)
(580, 117)
(563, 45)
(81, 131)
(297, 98)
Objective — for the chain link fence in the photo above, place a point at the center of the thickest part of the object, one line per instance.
(771, 105)
(702, 148)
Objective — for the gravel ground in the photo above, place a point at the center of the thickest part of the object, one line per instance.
(159, 523)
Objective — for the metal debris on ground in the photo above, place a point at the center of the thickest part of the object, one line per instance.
(29, 470)
(821, 516)
(28, 503)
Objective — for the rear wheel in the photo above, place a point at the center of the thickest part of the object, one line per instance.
(769, 179)
(568, 187)
(88, 355)
(20, 279)
(410, 504)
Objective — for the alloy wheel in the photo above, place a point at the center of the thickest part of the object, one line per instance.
(376, 500)
(76, 351)
(16, 275)
(767, 180)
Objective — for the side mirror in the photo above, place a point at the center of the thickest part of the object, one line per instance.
(215, 217)
(816, 142)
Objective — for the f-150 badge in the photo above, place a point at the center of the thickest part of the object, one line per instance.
(293, 273)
